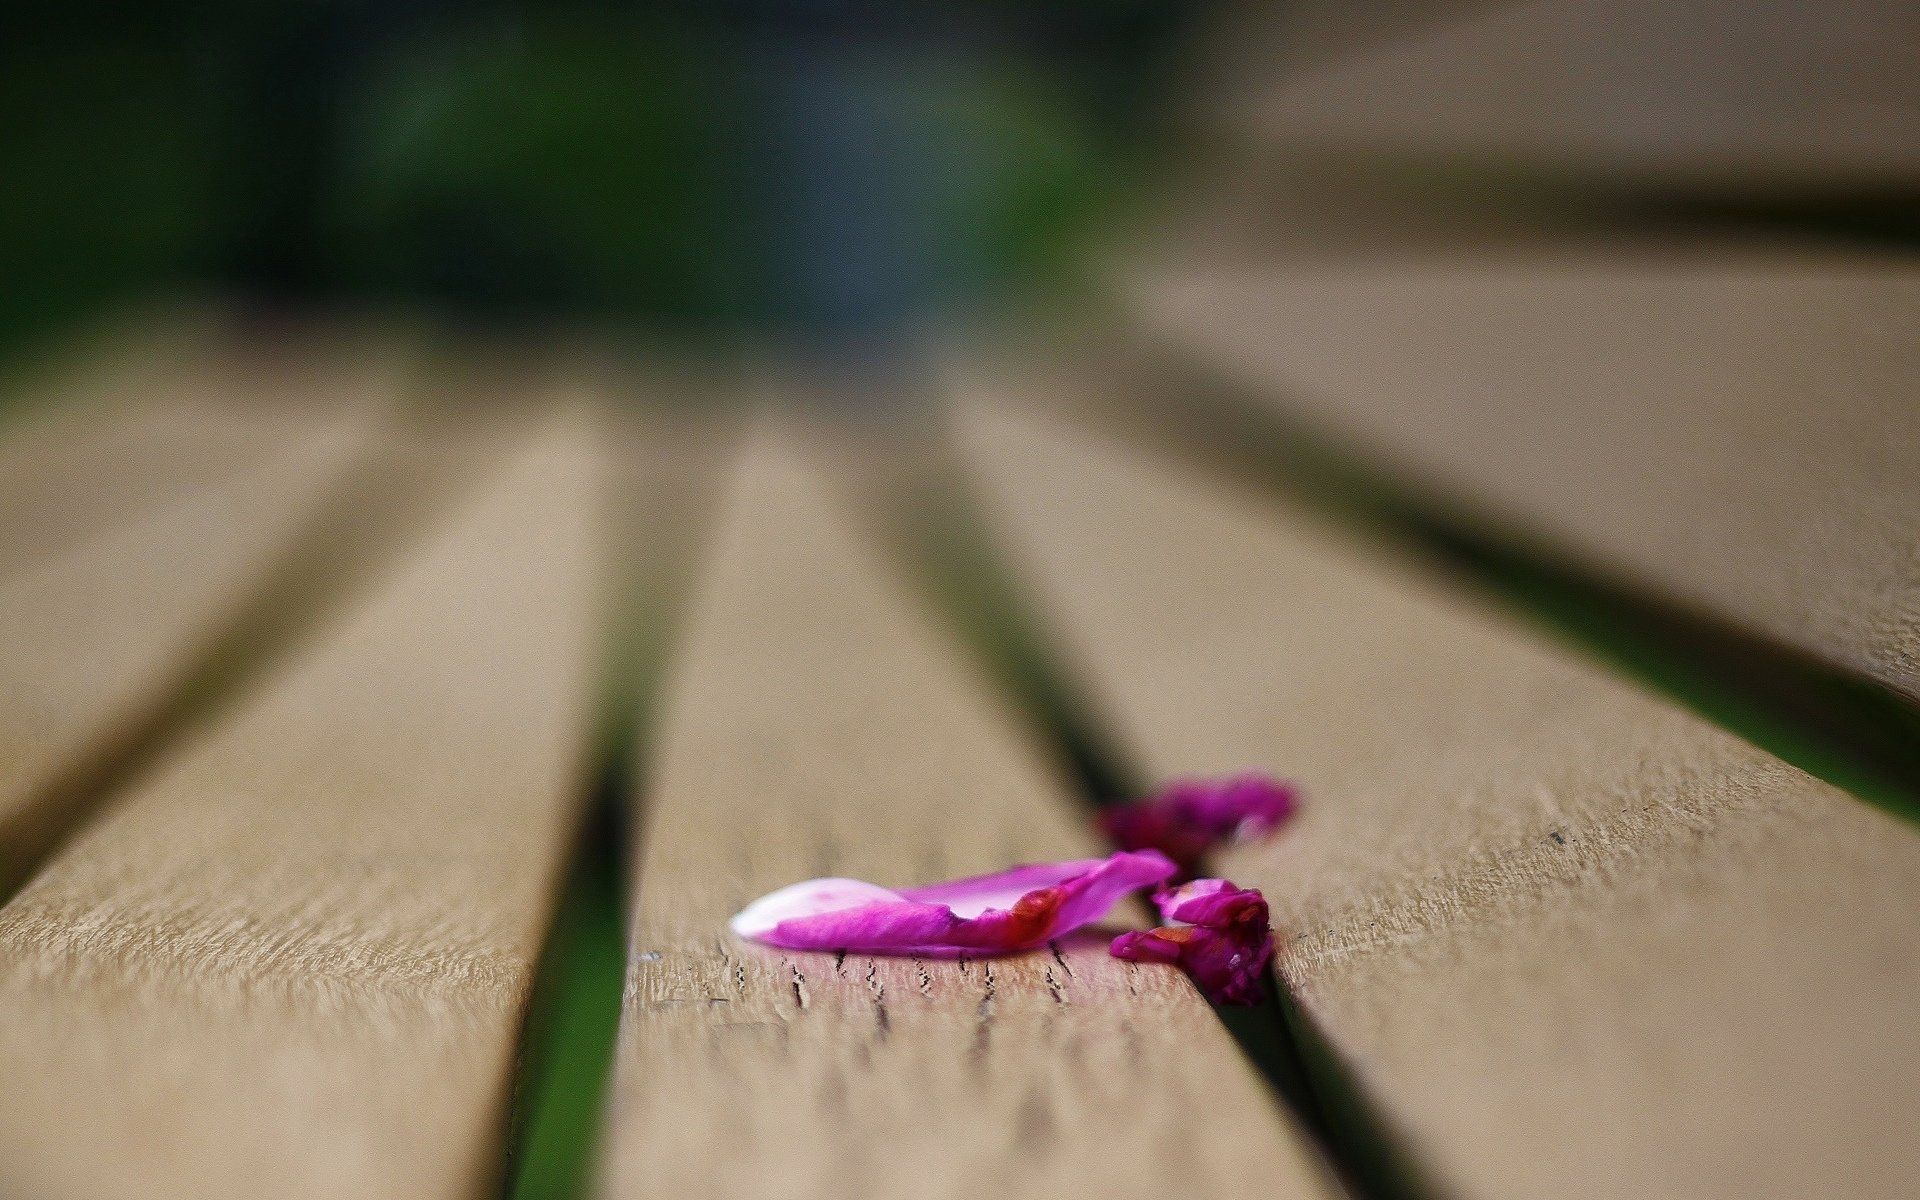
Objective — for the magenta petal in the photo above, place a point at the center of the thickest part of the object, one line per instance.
(1145, 946)
(805, 900)
(1224, 940)
(1202, 901)
(972, 896)
(1189, 817)
(1245, 806)
(1018, 909)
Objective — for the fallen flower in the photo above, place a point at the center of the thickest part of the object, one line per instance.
(1018, 909)
(1189, 817)
(1221, 938)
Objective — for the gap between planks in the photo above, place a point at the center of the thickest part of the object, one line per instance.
(813, 724)
(1560, 937)
(101, 638)
(1727, 431)
(294, 958)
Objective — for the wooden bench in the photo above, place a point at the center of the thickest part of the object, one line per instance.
(1591, 99)
(132, 538)
(1557, 936)
(286, 926)
(1734, 431)
(292, 958)
(813, 724)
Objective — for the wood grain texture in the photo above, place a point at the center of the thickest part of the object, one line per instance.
(1774, 97)
(813, 725)
(128, 427)
(94, 640)
(293, 961)
(1566, 939)
(1739, 433)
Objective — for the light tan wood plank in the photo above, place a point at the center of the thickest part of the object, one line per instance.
(59, 389)
(139, 415)
(813, 724)
(1776, 97)
(1737, 433)
(294, 960)
(177, 419)
(1569, 940)
(1251, 49)
(95, 641)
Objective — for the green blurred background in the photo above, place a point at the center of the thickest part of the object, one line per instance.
(837, 170)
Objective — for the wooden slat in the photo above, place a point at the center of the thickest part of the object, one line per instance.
(1785, 97)
(94, 641)
(1323, 32)
(1251, 48)
(294, 960)
(1737, 433)
(174, 420)
(1567, 939)
(76, 429)
(813, 725)
(63, 389)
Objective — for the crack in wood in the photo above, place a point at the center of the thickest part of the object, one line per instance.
(1060, 958)
(882, 1022)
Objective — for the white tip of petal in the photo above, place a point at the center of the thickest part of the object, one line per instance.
(807, 899)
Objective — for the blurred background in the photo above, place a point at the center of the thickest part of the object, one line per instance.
(847, 170)
(707, 168)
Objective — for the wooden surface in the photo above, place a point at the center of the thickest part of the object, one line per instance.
(97, 636)
(673, 440)
(812, 724)
(1568, 940)
(1736, 432)
(142, 417)
(1251, 47)
(92, 445)
(293, 960)
(1770, 97)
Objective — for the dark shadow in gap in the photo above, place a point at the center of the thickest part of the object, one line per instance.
(1852, 732)
(574, 1016)
(351, 539)
(1369, 1158)
(969, 583)
(964, 580)
(1875, 220)
(1261, 1032)
(573, 1021)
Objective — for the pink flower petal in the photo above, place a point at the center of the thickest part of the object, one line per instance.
(1189, 817)
(804, 900)
(1223, 940)
(972, 896)
(1018, 909)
